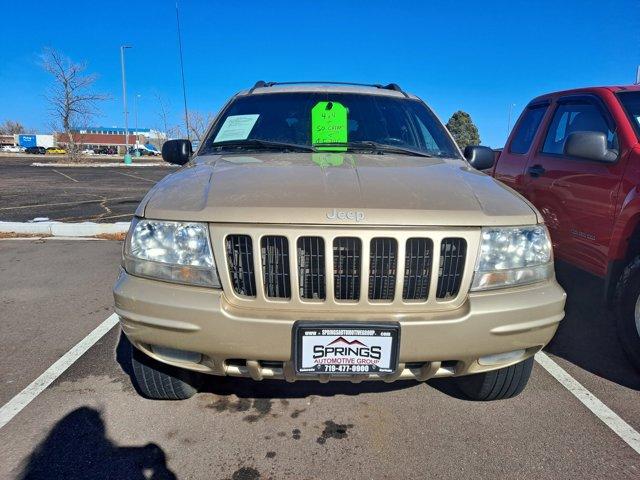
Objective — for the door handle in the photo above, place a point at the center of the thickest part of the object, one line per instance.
(536, 171)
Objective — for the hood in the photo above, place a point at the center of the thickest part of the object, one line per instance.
(334, 188)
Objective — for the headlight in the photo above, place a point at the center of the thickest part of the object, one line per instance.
(512, 256)
(172, 251)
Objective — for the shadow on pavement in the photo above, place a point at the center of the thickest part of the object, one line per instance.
(587, 336)
(123, 357)
(247, 388)
(77, 448)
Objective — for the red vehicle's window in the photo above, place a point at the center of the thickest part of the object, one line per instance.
(579, 117)
(631, 103)
(527, 128)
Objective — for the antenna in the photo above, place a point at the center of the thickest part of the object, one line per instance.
(638, 75)
(184, 89)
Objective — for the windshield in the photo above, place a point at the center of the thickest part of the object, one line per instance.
(631, 103)
(329, 121)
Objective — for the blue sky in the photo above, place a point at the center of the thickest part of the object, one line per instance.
(476, 56)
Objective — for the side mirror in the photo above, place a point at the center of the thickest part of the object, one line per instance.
(589, 145)
(177, 152)
(479, 157)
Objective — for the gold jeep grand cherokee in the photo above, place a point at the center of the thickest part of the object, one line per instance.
(334, 232)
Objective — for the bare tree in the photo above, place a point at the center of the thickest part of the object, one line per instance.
(72, 101)
(163, 114)
(198, 124)
(10, 127)
(166, 128)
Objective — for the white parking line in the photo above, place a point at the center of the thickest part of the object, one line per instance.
(79, 202)
(65, 175)
(611, 419)
(136, 176)
(22, 399)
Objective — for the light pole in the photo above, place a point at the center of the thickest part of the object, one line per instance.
(135, 107)
(127, 156)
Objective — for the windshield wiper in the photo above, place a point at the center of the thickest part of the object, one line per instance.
(375, 146)
(254, 144)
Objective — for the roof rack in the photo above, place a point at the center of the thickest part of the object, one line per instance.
(391, 86)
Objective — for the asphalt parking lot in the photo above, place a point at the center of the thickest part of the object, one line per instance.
(96, 194)
(91, 423)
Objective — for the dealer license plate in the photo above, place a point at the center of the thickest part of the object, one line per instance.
(338, 348)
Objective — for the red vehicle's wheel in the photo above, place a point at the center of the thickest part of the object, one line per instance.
(628, 311)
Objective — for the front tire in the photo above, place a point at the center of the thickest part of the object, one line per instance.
(158, 381)
(499, 384)
(627, 306)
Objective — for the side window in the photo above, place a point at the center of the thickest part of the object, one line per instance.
(577, 117)
(527, 129)
(561, 130)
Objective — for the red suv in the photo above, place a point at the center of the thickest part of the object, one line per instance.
(576, 156)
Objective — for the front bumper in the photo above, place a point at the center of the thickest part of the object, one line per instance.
(256, 343)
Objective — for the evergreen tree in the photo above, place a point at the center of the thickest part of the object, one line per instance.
(463, 129)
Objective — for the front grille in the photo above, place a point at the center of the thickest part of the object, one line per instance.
(382, 268)
(384, 271)
(240, 258)
(452, 256)
(275, 266)
(346, 268)
(417, 269)
(311, 275)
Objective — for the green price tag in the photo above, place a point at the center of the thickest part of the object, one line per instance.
(329, 125)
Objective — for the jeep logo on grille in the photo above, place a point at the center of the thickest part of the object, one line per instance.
(356, 215)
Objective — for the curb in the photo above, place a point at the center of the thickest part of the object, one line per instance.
(61, 229)
(101, 165)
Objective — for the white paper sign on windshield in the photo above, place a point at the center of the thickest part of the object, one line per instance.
(236, 127)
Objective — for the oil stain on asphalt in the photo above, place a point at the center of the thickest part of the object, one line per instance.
(223, 404)
(333, 430)
(296, 413)
(261, 406)
(246, 473)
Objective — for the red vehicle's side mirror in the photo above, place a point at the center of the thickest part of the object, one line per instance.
(590, 146)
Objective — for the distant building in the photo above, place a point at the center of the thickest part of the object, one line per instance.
(27, 140)
(35, 140)
(100, 137)
(7, 140)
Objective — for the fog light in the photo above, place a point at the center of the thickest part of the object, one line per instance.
(501, 357)
(176, 355)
